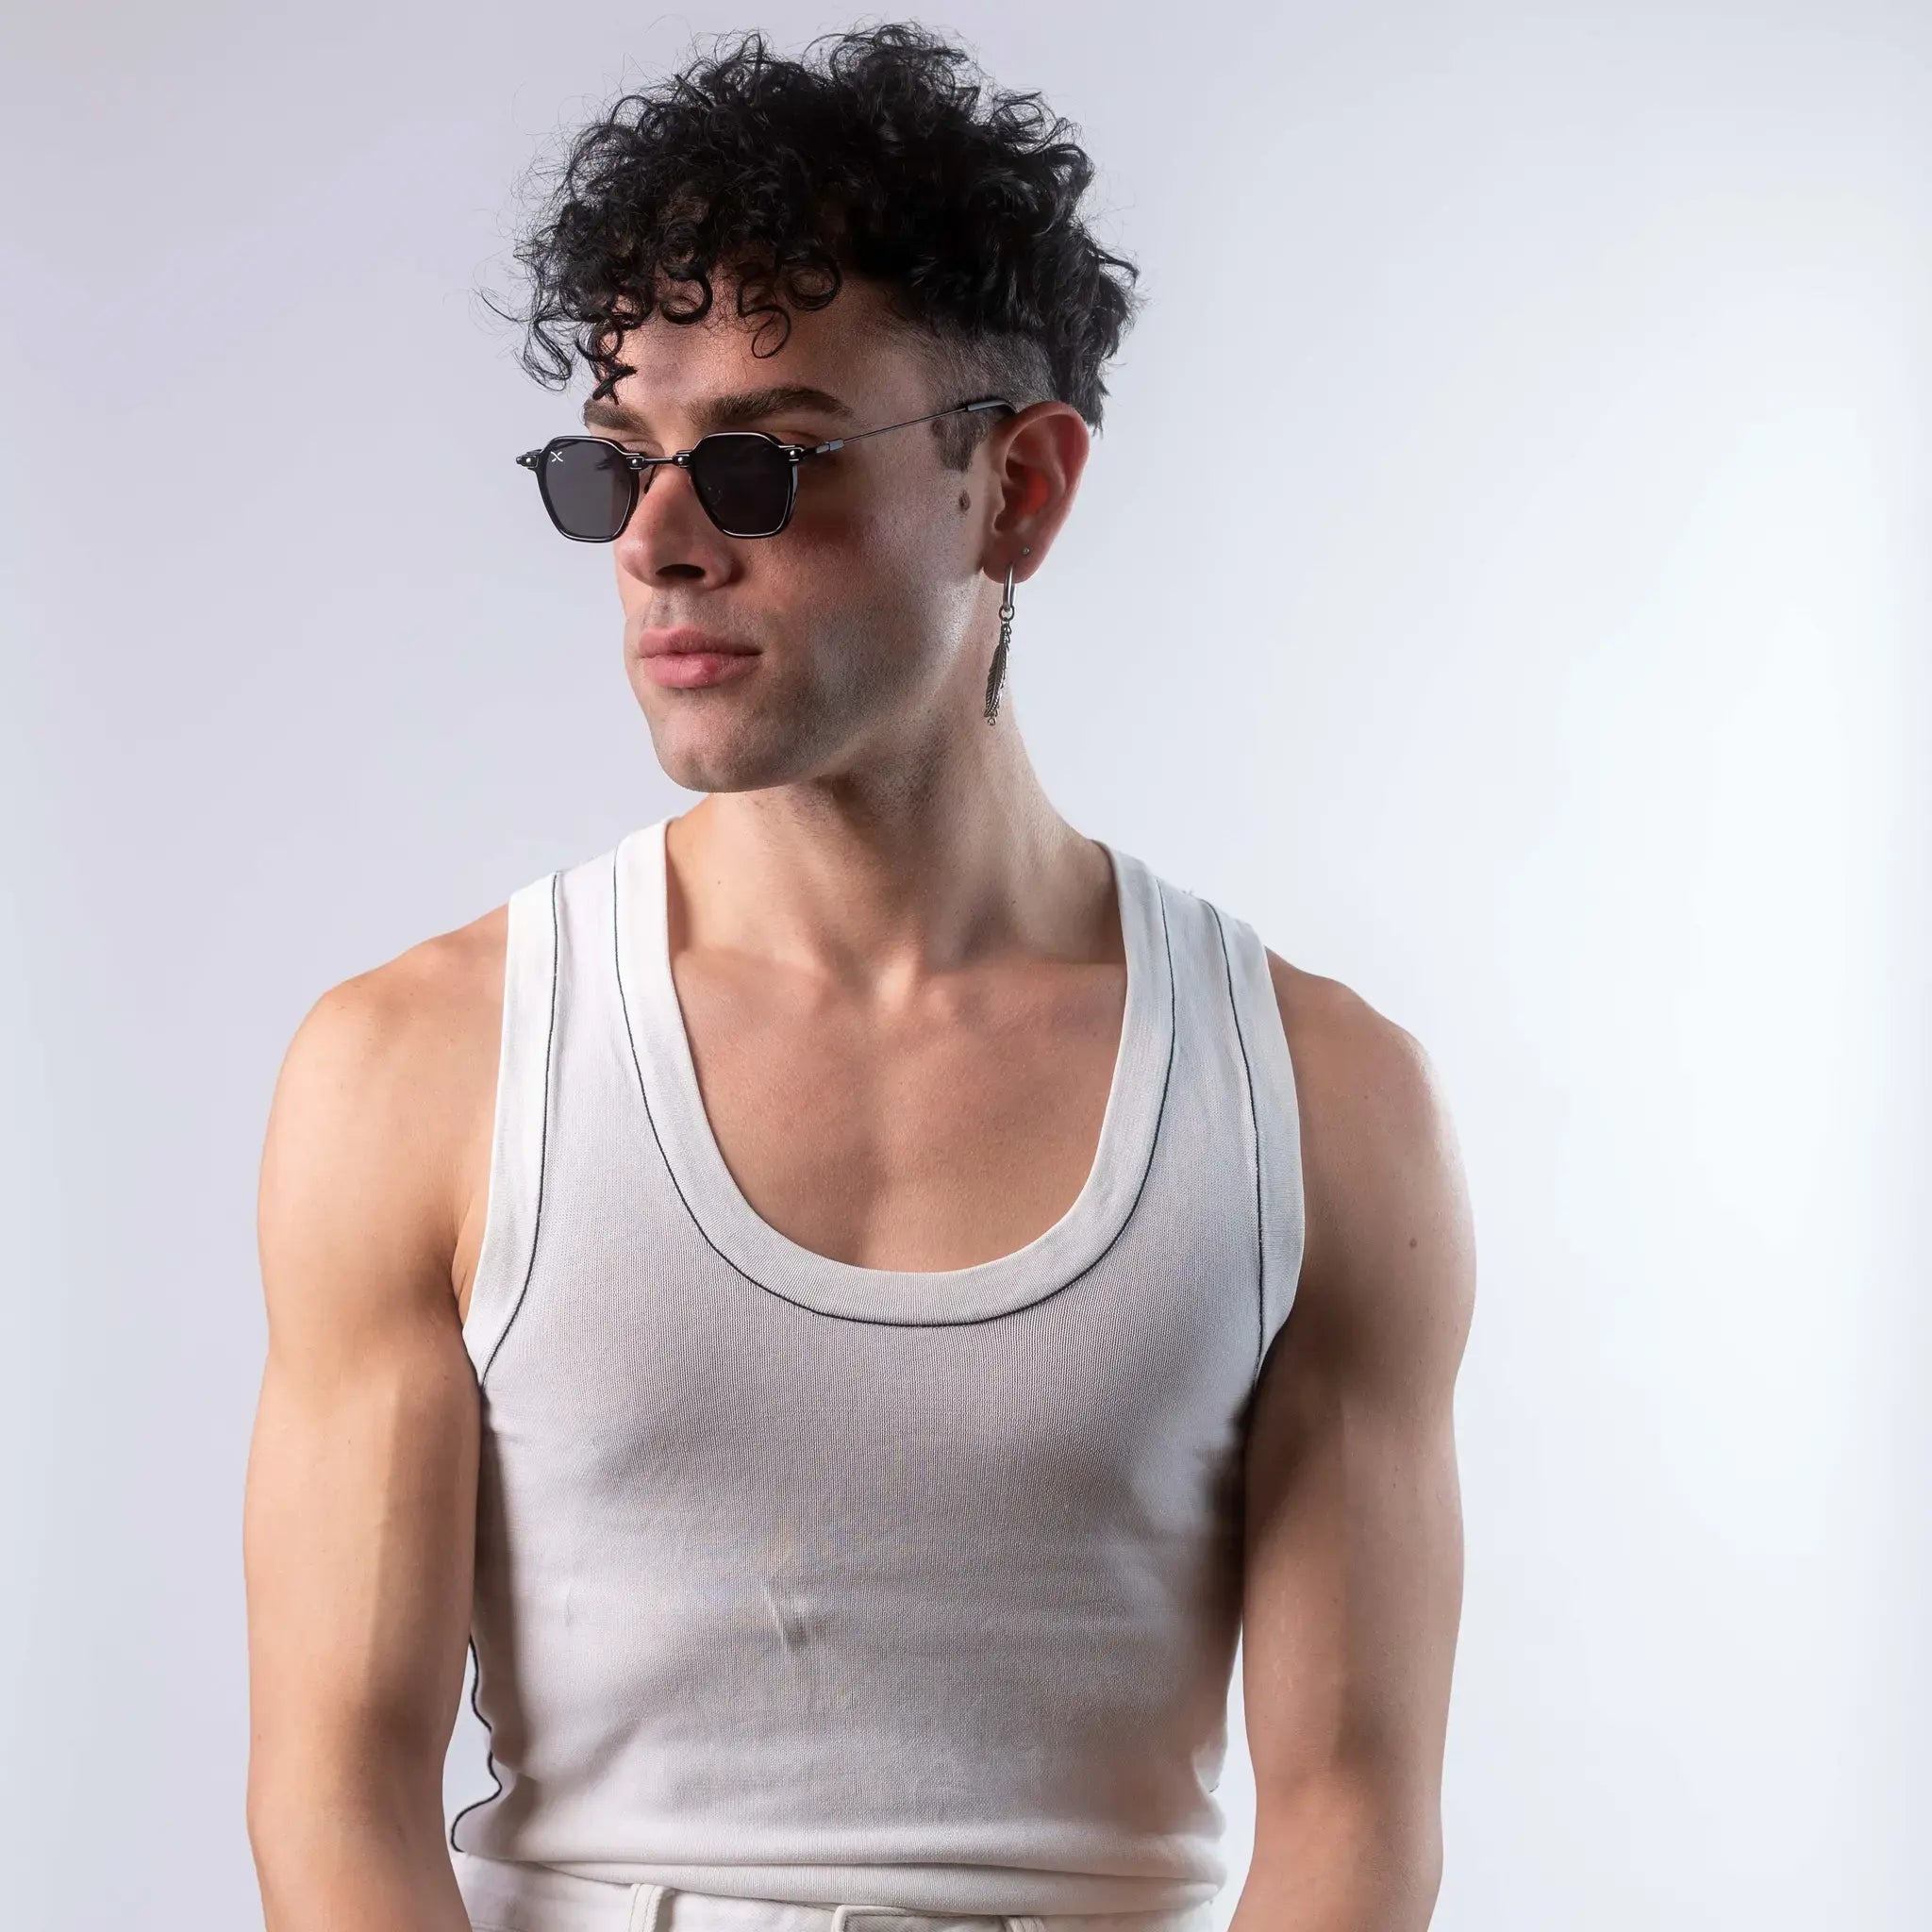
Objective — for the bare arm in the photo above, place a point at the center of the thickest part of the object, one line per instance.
(359, 1520)
(1353, 1544)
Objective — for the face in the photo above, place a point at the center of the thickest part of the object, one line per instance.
(870, 615)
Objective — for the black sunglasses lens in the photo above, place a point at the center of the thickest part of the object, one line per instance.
(588, 488)
(744, 482)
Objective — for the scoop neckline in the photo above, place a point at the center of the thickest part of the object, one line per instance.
(660, 1047)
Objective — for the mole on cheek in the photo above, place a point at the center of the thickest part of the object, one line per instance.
(965, 499)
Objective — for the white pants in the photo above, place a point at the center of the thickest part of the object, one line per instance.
(503, 1896)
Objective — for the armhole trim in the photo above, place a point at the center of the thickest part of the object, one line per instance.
(519, 1132)
(1281, 1204)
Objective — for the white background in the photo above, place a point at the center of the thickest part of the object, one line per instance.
(1501, 578)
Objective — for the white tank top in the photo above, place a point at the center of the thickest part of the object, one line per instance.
(807, 1581)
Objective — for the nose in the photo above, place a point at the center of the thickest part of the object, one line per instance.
(669, 535)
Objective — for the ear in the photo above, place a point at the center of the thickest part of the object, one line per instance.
(1036, 461)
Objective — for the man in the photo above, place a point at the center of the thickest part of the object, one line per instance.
(807, 1293)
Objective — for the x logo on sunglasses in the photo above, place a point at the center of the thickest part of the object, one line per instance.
(746, 481)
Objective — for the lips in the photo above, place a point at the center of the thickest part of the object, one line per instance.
(686, 638)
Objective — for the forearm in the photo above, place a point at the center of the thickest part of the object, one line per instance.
(1333, 1860)
(329, 1856)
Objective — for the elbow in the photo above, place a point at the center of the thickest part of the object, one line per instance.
(1347, 1852)
(336, 1846)
(296, 1801)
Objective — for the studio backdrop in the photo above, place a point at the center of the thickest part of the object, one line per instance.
(1501, 578)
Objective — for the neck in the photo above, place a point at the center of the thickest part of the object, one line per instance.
(879, 893)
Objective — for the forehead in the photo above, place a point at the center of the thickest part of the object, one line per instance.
(845, 349)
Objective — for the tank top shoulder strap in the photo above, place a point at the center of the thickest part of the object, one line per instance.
(518, 1134)
(1280, 1206)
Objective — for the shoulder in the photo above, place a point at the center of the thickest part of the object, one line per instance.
(412, 1016)
(1389, 1252)
(1343, 1045)
(383, 1101)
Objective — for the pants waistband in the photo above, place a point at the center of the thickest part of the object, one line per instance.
(506, 1895)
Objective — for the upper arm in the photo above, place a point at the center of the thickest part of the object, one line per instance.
(1352, 1583)
(358, 1517)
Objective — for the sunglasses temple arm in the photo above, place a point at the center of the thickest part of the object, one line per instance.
(859, 436)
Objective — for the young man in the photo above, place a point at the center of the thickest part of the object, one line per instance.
(806, 1294)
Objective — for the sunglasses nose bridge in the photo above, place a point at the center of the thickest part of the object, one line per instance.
(646, 471)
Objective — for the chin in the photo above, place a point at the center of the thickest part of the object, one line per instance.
(720, 745)
(704, 758)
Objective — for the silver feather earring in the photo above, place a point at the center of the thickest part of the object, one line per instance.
(997, 677)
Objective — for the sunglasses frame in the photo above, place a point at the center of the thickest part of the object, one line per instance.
(641, 466)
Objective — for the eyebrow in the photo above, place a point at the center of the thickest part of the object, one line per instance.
(718, 412)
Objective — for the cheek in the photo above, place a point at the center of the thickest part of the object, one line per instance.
(889, 568)
(876, 554)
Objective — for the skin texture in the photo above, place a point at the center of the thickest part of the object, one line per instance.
(1353, 1588)
(360, 1501)
(879, 923)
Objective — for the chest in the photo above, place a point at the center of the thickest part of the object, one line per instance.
(940, 1138)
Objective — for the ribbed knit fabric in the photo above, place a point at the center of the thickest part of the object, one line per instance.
(801, 1580)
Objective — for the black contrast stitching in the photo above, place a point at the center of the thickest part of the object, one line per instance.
(1255, 1136)
(488, 1751)
(543, 1140)
(536, 1227)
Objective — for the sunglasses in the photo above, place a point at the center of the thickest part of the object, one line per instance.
(746, 481)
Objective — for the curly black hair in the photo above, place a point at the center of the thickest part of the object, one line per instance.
(891, 159)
